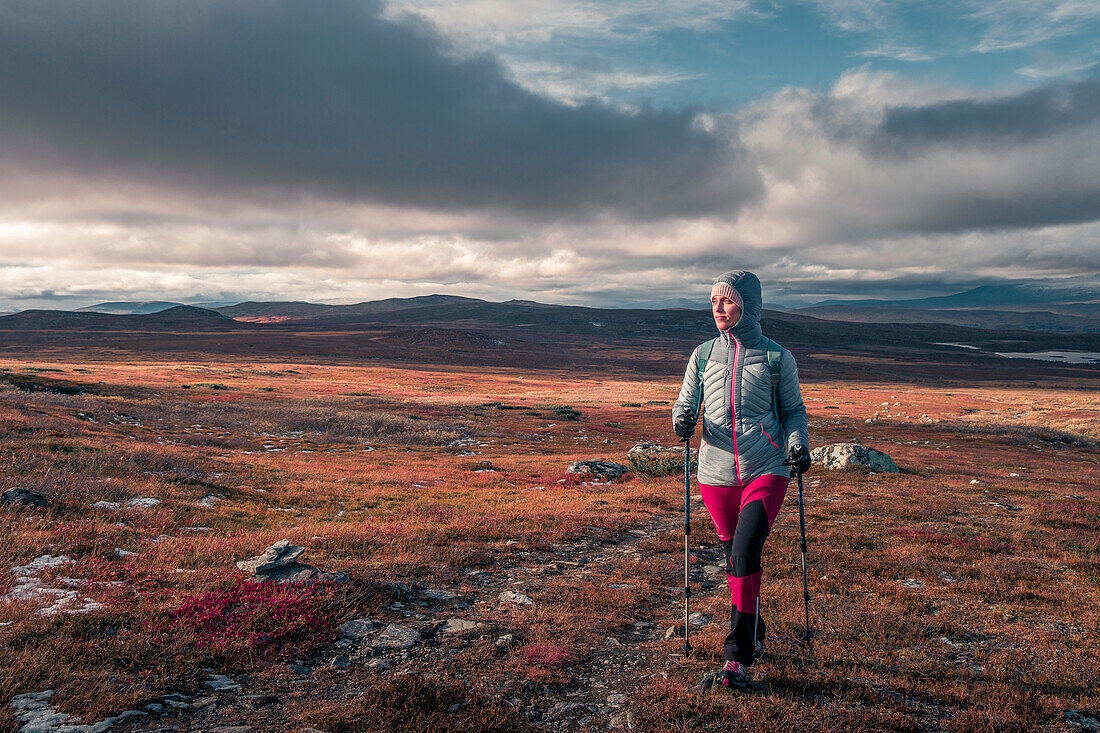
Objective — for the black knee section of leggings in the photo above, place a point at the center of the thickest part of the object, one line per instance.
(743, 552)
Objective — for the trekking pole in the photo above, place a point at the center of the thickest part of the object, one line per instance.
(805, 583)
(808, 636)
(687, 535)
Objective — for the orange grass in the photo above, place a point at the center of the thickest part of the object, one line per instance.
(355, 464)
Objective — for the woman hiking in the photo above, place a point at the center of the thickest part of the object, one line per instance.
(754, 434)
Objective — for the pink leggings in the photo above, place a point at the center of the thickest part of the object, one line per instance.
(743, 517)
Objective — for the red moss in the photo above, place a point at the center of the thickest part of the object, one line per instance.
(253, 621)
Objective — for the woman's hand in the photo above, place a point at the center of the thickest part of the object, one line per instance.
(684, 425)
(798, 458)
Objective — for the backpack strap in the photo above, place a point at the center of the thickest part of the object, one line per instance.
(775, 357)
(700, 366)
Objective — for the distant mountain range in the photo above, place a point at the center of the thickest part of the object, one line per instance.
(998, 307)
(459, 330)
(1028, 307)
(133, 308)
(985, 296)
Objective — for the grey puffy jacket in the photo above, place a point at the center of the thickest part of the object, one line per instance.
(738, 368)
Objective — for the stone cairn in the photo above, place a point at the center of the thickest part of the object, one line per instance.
(279, 563)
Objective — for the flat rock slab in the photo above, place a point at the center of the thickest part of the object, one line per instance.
(458, 626)
(1080, 720)
(23, 497)
(602, 469)
(357, 628)
(511, 596)
(439, 595)
(396, 636)
(39, 716)
(564, 709)
(221, 682)
(143, 502)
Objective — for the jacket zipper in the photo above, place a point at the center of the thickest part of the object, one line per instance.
(733, 408)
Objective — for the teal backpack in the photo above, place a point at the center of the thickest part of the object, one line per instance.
(774, 358)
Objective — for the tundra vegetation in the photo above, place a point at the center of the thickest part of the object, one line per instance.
(961, 594)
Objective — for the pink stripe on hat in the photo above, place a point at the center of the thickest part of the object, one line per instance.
(725, 290)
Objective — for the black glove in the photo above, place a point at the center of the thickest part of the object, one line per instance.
(798, 458)
(684, 425)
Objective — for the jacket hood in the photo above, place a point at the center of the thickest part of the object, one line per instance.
(747, 285)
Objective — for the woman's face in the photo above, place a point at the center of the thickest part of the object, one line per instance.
(726, 312)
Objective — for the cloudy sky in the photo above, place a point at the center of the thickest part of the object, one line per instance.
(606, 152)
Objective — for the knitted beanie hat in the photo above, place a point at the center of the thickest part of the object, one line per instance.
(725, 290)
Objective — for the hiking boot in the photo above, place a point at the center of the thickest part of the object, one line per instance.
(733, 676)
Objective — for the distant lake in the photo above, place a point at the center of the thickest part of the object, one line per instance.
(1067, 357)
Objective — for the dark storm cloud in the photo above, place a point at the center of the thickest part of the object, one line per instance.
(990, 123)
(1015, 161)
(330, 99)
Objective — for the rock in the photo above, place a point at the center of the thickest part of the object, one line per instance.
(357, 628)
(18, 496)
(112, 505)
(458, 626)
(511, 596)
(220, 682)
(280, 554)
(439, 595)
(279, 563)
(671, 632)
(563, 709)
(339, 662)
(396, 636)
(142, 502)
(616, 699)
(698, 619)
(653, 459)
(853, 455)
(1081, 720)
(505, 640)
(34, 710)
(378, 665)
(912, 583)
(600, 469)
(175, 700)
